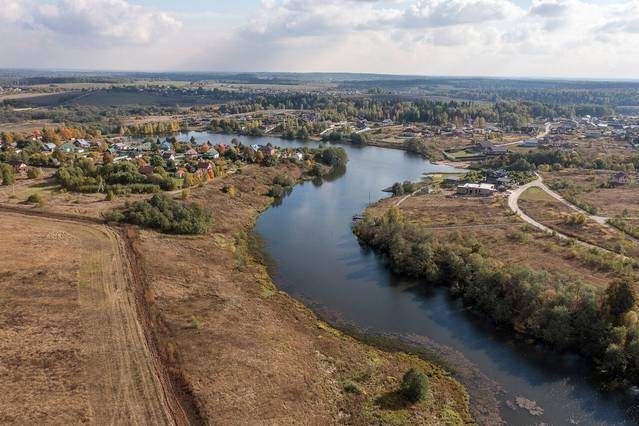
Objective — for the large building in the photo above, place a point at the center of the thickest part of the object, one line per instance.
(476, 189)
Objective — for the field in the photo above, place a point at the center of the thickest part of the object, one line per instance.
(115, 97)
(506, 238)
(550, 212)
(66, 295)
(591, 187)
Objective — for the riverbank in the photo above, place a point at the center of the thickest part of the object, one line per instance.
(249, 352)
(518, 279)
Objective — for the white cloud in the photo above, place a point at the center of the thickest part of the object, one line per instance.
(88, 22)
(496, 37)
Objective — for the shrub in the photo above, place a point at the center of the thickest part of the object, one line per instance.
(230, 190)
(164, 214)
(6, 173)
(35, 198)
(414, 385)
(34, 173)
(283, 180)
(276, 191)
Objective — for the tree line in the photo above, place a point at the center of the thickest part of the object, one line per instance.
(565, 314)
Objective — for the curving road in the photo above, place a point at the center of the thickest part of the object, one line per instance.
(513, 204)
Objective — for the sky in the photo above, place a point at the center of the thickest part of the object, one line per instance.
(525, 38)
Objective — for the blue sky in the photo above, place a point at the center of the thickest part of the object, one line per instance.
(549, 38)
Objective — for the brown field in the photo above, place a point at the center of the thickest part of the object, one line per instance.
(508, 239)
(603, 147)
(550, 212)
(72, 349)
(235, 349)
(26, 126)
(586, 185)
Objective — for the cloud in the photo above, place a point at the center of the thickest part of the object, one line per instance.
(89, 22)
(497, 37)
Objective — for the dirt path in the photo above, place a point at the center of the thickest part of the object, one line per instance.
(125, 380)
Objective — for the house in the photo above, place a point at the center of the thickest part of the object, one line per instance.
(190, 154)
(168, 156)
(493, 176)
(530, 143)
(488, 148)
(18, 166)
(255, 147)
(268, 150)
(82, 143)
(179, 173)
(204, 168)
(592, 134)
(621, 178)
(211, 154)
(49, 147)
(387, 122)
(166, 145)
(69, 148)
(147, 146)
(476, 189)
(299, 156)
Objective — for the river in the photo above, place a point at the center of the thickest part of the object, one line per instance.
(320, 262)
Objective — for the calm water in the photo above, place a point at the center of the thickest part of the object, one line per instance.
(320, 261)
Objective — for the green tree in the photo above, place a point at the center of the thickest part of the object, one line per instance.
(620, 297)
(8, 177)
(414, 385)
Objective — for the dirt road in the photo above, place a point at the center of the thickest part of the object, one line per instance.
(117, 377)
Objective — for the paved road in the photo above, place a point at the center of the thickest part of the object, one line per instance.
(513, 204)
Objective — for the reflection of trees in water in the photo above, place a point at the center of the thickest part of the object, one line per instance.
(334, 174)
(277, 201)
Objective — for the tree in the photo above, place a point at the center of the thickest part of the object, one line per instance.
(620, 297)
(414, 385)
(7, 175)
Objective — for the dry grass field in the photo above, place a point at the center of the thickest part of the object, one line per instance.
(550, 212)
(590, 186)
(506, 238)
(72, 348)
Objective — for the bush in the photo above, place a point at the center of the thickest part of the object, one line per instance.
(414, 385)
(284, 180)
(165, 214)
(6, 173)
(34, 173)
(35, 198)
(276, 191)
